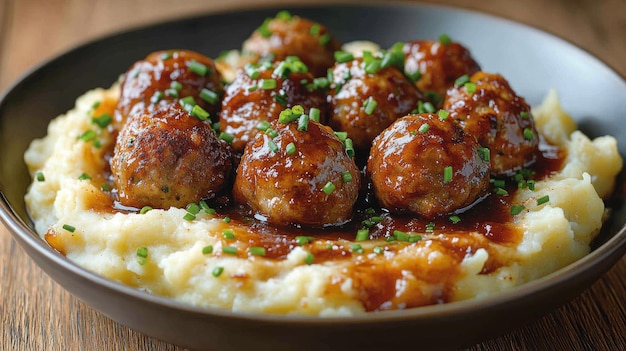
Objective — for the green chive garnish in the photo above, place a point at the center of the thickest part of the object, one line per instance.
(209, 96)
(176, 85)
(229, 234)
(217, 271)
(470, 87)
(199, 113)
(272, 145)
(362, 234)
(455, 219)
(145, 209)
(257, 251)
(378, 250)
(424, 128)
(228, 138)
(156, 97)
(231, 250)
(84, 176)
(189, 216)
(268, 84)
(87, 136)
(517, 209)
(400, 235)
(328, 188)
(290, 149)
(443, 114)
(484, 154)
(542, 200)
(343, 56)
(369, 105)
(309, 258)
(413, 76)
(528, 134)
(459, 82)
(69, 228)
(447, 174)
(103, 120)
(314, 114)
(207, 250)
(303, 123)
(302, 240)
(346, 176)
(445, 39)
(40, 177)
(197, 68)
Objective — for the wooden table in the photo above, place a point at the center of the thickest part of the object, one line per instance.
(37, 314)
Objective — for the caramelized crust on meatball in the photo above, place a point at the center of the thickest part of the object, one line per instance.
(437, 65)
(288, 35)
(249, 101)
(364, 104)
(167, 158)
(488, 109)
(313, 182)
(166, 76)
(426, 165)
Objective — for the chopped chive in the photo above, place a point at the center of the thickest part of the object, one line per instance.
(484, 154)
(470, 87)
(328, 188)
(459, 82)
(517, 209)
(69, 228)
(321, 82)
(231, 250)
(524, 114)
(531, 184)
(373, 66)
(290, 148)
(193, 208)
(314, 114)
(445, 39)
(253, 87)
(281, 98)
(188, 102)
(430, 227)
(84, 176)
(252, 71)
(315, 29)
(165, 56)
(528, 134)
(443, 114)
(400, 235)
(356, 248)
(284, 15)
(209, 96)
(272, 145)
(362, 234)
(415, 238)
(103, 120)
(424, 128)
(156, 97)
(189, 216)
(257, 251)
(542, 200)
(369, 105)
(303, 123)
(349, 147)
(343, 56)
(447, 174)
(87, 136)
(370, 211)
(376, 219)
(346, 176)
(455, 219)
(271, 132)
(171, 93)
(378, 250)
(325, 39)
(96, 105)
(413, 76)
(229, 234)
(142, 252)
(501, 192)
(217, 271)
(199, 113)
(341, 135)
(40, 177)
(309, 258)
(145, 209)
(197, 68)
(268, 84)
(176, 85)
(226, 220)
(302, 240)
(263, 126)
(207, 250)
(499, 183)
(228, 138)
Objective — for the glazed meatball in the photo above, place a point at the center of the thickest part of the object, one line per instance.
(260, 92)
(298, 177)
(288, 35)
(428, 166)
(364, 104)
(487, 108)
(166, 157)
(166, 76)
(436, 65)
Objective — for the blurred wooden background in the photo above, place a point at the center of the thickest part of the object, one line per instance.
(37, 314)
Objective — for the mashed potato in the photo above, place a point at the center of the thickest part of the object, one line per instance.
(191, 261)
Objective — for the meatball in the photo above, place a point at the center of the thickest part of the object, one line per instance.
(287, 35)
(427, 165)
(435, 65)
(166, 157)
(260, 92)
(166, 76)
(298, 177)
(364, 104)
(487, 108)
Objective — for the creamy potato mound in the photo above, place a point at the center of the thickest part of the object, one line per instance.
(186, 260)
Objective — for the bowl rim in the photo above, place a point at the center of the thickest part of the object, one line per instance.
(612, 250)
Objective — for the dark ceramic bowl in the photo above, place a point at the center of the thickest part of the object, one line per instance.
(531, 60)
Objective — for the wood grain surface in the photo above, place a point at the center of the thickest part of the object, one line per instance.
(38, 314)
